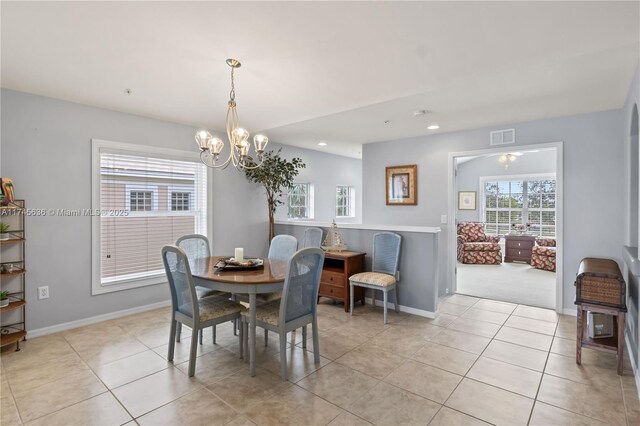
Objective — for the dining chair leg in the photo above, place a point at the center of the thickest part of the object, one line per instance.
(235, 327)
(178, 332)
(172, 340)
(192, 354)
(351, 298)
(240, 339)
(316, 340)
(213, 334)
(283, 356)
(395, 289)
(384, 301)
(266, 337)
(200, 333)
(304, 337)
(245, 339)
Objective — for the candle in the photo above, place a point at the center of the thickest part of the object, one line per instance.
(239, 254)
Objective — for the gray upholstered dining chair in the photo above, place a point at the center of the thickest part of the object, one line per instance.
(187, 309)
(312, 237)
(196, 246)
(384, 271)
(297, 306)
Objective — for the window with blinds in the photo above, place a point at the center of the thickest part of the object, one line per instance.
(145, 201)
(513, 201)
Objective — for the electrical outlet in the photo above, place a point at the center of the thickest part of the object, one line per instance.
(443, 219)
(43, 292)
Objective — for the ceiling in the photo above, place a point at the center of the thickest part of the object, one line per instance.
(325, 71)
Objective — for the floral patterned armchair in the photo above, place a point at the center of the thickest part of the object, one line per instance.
(543, 254)
(474, 246)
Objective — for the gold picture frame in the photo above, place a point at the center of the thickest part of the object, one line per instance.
(402, 185)
(466, 200)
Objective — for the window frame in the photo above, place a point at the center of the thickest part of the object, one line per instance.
(98, 147)
(510, 178)
(350, 202)
(308, 205)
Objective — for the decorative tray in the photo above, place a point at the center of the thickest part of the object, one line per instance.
(230, 264)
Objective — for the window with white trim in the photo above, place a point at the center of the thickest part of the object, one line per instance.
(146, 200)
(300, 201)
(524, 202)
(345, 201)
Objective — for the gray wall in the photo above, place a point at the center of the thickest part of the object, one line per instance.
(470, 172)
(631, 229)
(418, 264)
(593, 181)
(325, 172)
(46, 149)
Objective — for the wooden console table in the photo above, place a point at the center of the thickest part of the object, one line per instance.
(518, 248)
(338, 267)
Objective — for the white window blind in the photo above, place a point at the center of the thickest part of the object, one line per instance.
(146, 202)
(345, 201)
(300, 201)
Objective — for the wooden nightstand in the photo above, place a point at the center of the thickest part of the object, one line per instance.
(518, 248)
(338, 267)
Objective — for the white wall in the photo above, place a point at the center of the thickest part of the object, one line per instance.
(325, 172)
(470, 172)
(593, 182)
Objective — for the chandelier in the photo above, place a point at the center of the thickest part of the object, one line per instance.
(211, 146)
(508, 158)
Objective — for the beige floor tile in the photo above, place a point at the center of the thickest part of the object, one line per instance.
(472, 326)
(196, 408)
(300, 363)
(125, 370)
(240, 421)
(375, 314)
(589, 373)
(451, 308)
(600, 402)
(428, 382)
(524, 338)
(421, 328)
(490, 404)
(151, 392)
(487, 316)
(214, 366)
(548, 415)
(529, 324)
(567, 327)
(293, 405)
(334, 344)
(371, 361)
(338, 384)
(45, 399)
(446, 358)
(8, 411)
(35, 352)
(564, 347)
(103, 409)
(461, 299)
(388, 405)
(49, 370)
(183, 349)
(516, 354)
(536, 313)
(506, 376)
(400, 343)
(442, 319)
(463, 341)
(448, 417)
(241, 391)
(495, 306)
(348, 419)
(105, 353)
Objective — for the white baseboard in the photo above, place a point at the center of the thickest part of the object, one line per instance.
(92, 320)
(634, 366)
(407, 309)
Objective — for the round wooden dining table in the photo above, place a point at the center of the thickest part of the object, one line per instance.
(268, 279)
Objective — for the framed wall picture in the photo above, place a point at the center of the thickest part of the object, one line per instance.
(402, 185)
(466, 200)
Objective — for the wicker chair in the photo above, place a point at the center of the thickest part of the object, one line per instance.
(475, 247)
(543, 254)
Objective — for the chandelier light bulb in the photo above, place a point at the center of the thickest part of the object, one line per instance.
(502, 158)
(203, 139)
(216, 146)
(512, 157)
(260, 143)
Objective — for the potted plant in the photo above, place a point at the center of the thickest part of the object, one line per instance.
(276, 175)
(4, 231)
(4, 299)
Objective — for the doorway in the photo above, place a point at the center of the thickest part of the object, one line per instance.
(505, 238)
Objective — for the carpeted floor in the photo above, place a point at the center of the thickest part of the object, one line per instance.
(509, 282)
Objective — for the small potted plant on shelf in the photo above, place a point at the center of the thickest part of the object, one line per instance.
(4, 299)
(4, 231)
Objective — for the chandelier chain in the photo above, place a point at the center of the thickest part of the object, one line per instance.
(232, 94)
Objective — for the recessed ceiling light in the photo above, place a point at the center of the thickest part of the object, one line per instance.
(433, 127)
(420, 112)
(387, 121)
(322, 144)
(128, 91)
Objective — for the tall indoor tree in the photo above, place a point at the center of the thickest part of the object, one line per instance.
(276, 175)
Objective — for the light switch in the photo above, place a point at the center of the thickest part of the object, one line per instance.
(443, 219)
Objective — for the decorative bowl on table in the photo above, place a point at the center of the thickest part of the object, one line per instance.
(231, 264)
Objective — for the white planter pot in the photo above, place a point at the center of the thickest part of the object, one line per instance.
(4, 236)
(4, 303)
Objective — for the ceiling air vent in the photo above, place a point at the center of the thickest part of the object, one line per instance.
(502, 137)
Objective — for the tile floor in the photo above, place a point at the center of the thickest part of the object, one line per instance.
(481, 361)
